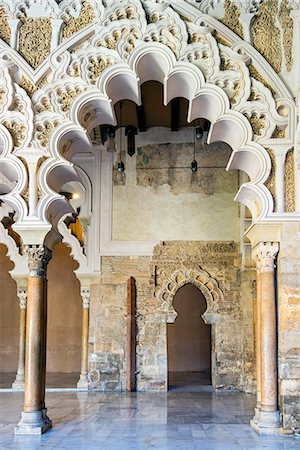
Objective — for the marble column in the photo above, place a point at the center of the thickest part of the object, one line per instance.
(83, 380)
(19, 381)
(266, 419)
(34, 419)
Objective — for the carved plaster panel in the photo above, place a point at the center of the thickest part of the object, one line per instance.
(289, 181)
(35, 40)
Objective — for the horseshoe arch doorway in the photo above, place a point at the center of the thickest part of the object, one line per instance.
(189, 341)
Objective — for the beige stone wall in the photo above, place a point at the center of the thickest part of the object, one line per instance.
(289, 325)
(108, 305)
(163, 200)
(9, 315)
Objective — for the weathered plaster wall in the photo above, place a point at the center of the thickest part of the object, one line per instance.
(64, 313)
(162, 199)
(289, 325)
(9, 315)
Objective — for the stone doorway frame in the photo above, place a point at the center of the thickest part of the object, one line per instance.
(208, 286)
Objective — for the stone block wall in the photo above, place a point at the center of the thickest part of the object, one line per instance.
(219, 262)
(289, 326)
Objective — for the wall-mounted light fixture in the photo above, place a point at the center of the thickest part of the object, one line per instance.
(130, 132)
(194, 166)
(120, 166)
(199, 132)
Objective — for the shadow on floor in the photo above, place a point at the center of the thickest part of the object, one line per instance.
(190, 382)
(53, 379)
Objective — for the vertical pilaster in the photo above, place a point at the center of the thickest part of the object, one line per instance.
(266, 420)
(22, 296)
(34, 417)
(83, 380)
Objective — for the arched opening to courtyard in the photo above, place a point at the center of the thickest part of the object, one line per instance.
(189, 341)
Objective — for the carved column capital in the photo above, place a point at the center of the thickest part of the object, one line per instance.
(22, 296)
(85, 295)
(38, 259)
(264, 254)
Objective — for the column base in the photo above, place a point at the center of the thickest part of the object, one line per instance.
(256, 414)
(18, 385)
(33, 423)
(266, 422)
(19, 382)
(83, 382)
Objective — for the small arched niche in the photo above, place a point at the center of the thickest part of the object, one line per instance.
(189, 340)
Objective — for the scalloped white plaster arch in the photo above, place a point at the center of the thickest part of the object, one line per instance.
(202, 280)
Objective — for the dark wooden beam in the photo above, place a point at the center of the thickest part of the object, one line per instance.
(175, 114)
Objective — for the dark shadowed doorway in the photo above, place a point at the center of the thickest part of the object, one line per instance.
(189, 341)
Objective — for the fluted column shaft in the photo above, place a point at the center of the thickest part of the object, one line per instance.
(34, 418)
(19, 381)
(83, 381)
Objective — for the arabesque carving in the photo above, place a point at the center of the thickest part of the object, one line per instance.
(202, 280)
(35, 40)
(4, 27)
(289, 182)
(286, 23)
(43, 132)
(17, 131)
(232, 17)
(74, 24)
(96, 65)
(266, 35)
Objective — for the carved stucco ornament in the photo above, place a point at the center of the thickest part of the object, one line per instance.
(74, 24)
(266, 35)
(4, 27)
(35, 40)
(202, 280)
(286, 23)
(289, 182)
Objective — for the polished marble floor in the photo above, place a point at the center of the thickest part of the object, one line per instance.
(176, 420)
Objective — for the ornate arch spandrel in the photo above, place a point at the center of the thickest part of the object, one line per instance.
(199, 278)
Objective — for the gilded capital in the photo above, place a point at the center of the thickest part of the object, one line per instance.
(85, 295)
(264, 254)
(38, 259)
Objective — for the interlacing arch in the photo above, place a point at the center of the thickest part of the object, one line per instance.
(96, 66)
(199, 278)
